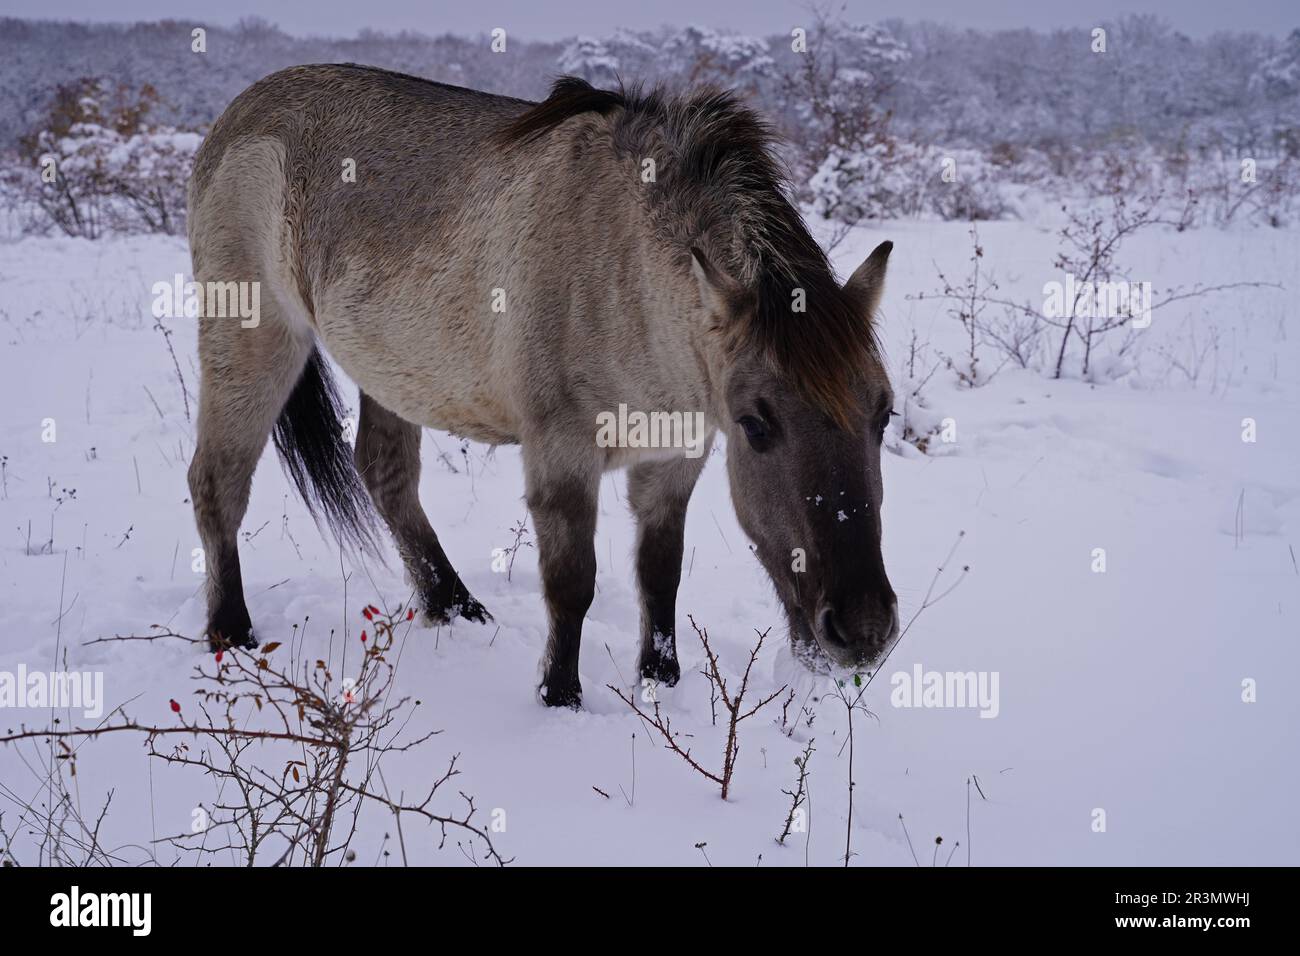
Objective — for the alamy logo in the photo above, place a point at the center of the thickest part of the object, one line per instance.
(624, 429)
(212, 300)
(1100, 300)
(134, 910)
(946, 689)
(59, 689)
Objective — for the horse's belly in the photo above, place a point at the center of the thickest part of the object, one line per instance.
(424, 387)
(472, 423)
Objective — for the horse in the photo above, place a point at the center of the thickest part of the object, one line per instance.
(510, 272)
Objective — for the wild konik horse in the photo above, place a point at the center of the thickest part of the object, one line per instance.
(509, 271)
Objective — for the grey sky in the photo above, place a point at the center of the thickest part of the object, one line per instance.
(549, 19)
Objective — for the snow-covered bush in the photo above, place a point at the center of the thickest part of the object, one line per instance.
(891, 179)
(915, 427)
(1264, 192)
(154, 171)
(94, 165)
(851, 186)
(965, 185)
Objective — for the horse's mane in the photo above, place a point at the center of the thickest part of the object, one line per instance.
(719, 185)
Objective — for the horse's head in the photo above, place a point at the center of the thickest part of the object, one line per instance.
(804, 402)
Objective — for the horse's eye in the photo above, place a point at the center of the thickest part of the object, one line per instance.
(755, 431)
(883, 424)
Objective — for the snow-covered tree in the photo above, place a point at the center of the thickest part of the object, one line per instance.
(703, 55)
(590, 59)
(833, 89)
(1279, 75)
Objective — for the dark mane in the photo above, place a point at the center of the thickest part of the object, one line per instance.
(720, 186)
(569, 97)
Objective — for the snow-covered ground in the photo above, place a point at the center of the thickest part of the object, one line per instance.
(1120, 691)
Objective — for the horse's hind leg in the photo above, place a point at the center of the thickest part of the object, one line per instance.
(388, 458)
(247, 376)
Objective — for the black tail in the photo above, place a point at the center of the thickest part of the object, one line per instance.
(309, 438)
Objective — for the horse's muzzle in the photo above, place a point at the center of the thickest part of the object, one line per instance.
(857, 640)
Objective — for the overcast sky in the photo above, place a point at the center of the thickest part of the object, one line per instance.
(550, 19)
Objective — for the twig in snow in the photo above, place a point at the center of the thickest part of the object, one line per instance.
(906, 836)
(733, 704)
(180, 378)
(799, 795)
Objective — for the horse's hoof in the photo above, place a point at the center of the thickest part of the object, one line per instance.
(471, 610)
(562, 695)
(442, 609)
(662, 670)
(222, 638)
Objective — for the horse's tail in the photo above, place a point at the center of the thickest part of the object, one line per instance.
(309, 438)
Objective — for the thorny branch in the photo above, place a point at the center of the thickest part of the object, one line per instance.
(734, 706)
(332, 736)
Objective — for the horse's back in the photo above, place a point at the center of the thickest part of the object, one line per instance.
(317, 109)
(353, 150)
(338, 186)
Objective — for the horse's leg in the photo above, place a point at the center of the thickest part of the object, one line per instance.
(562, 498)
(388, 458)
(247, 376)
(659, 492)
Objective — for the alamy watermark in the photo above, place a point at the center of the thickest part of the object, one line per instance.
(1101, 300)
(633, 429)
(133, 911)
(946, 689)
(212, 300)
(62, 690)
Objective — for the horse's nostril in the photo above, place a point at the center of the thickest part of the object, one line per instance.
(830, 633)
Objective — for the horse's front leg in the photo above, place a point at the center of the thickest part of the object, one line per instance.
(659, 492)
(562, 497)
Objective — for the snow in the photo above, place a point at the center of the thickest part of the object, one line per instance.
(1119, 690)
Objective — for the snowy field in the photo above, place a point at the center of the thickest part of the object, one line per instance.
(1119, 691)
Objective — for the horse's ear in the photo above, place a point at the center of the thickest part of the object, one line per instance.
(719, 293)
(867, 283)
